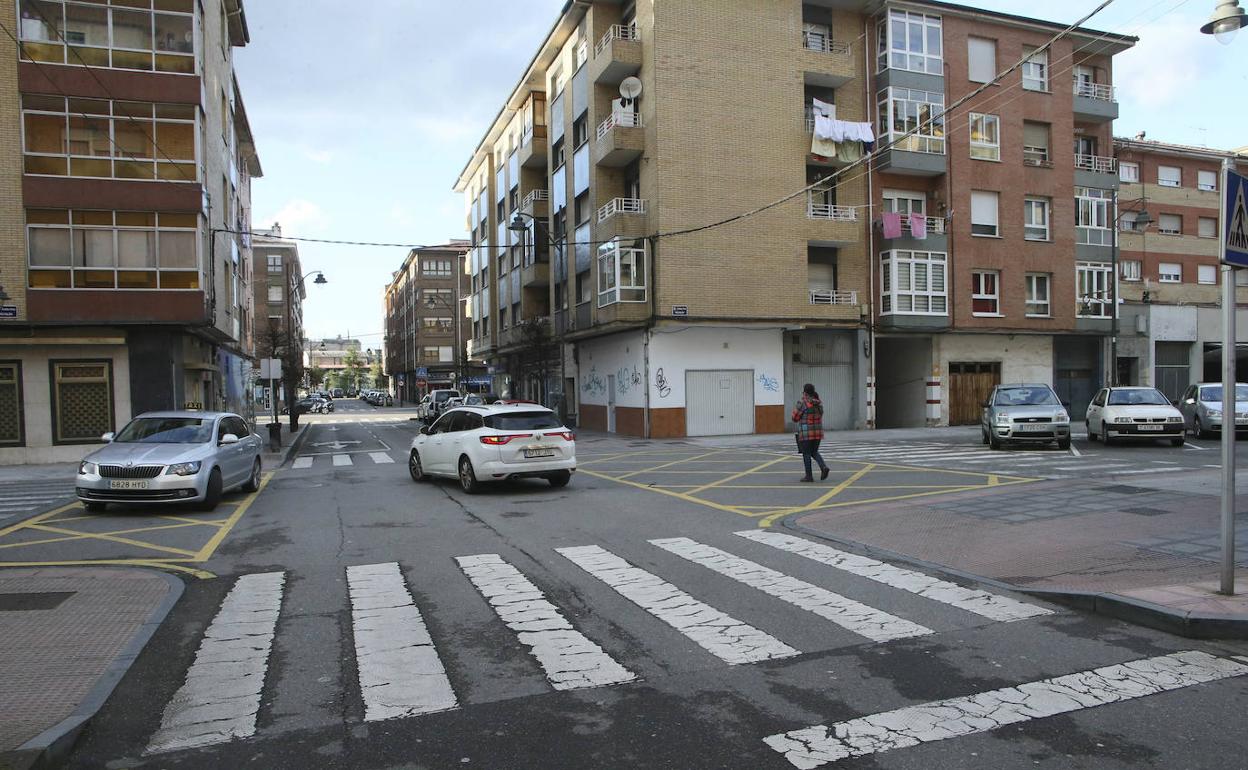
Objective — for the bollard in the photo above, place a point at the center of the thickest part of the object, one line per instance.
(275, 436)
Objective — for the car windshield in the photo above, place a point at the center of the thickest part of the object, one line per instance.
(1214, 393)
(522, 421)
(1147, 397)
(1026, 397)
(165, 430)
(444, 395)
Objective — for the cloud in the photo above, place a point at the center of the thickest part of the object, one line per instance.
(298, 217)
(322, 157)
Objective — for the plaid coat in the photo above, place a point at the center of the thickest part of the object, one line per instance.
(808, 414)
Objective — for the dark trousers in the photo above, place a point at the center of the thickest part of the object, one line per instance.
(811, 449)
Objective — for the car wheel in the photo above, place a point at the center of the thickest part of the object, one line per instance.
(1063, 444)
(414, 467)
(95, 507)
(467, 477)
(1177, 441)
(559, 478)
(213, 495)
(253, 481)
(1199, 429)
(983, 435)
(993, 442)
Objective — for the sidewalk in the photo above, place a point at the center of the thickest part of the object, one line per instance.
(67, 636)
(1148, 552)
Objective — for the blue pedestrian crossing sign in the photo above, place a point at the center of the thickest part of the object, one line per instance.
(1235, 226)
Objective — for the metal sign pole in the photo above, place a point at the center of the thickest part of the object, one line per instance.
(1229, 400)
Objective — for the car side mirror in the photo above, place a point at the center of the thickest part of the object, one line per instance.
(424, 430)
(985, 404)
(1066, 404)
(229, 438)
(107, 438)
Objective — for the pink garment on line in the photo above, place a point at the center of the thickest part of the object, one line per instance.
(918, 226)
(892, 224)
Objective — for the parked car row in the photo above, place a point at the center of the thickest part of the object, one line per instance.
(1031, 413)
(377, 397)
(313, 405)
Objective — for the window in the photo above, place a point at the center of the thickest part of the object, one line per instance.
(910, 41)
(1035, 69)
(1092, 216)
(1036, 144)
(1207, 274)
(981, 59)
(580, 131)
(1170, 272)
(816, 37)
(82, 401)
(101, 138)
(584, 287)
(1169, 176)
(984, 213)
(1038, 304)
(121, 38)
(274, 262)
(1128, 172)
(1036, 219)
(437, 268)
(1131, 269)
(1092, 292)
(438, 298)
(582, 53)
(112, 249)
(12, 416)
(905, 202)
(901, 110)
(439, 324)
(913, 283)
(1208, 227)
(1170, 224)
(985, 292)
(1206, 180)
(445, 354)
(580, 208)
(621, 273)
(985, 136)
(556, 155)
(276, 294)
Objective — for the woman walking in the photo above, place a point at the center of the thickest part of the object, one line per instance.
(808, 415)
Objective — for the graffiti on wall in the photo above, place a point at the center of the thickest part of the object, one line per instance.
(661, 384)
(594, 384)
(769, 383)
(626, 379)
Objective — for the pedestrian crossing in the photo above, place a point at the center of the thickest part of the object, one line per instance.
(21, 498)
(407, 662)
(345, 459)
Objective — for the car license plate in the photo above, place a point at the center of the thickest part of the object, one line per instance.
(127, 485)
(539, 452)
(1152, 427)
(1034, 427)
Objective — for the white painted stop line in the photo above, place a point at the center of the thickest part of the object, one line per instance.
(982, 603)
(719, 634)
(956, 717)
(221, 695)
(859, 618)
(570, 660)
(400, 672)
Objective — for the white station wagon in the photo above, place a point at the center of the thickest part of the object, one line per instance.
(494, 443)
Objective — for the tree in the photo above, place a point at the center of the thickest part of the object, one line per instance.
(276, 343)
(354, 368)
(378, 374)
(316, 376)
(537, 354)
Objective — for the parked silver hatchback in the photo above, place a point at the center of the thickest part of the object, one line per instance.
(1201, 405)
(172, 457)
(1024, 413)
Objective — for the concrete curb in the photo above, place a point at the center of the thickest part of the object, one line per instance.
(288, 450)
(1193, 625)
(49, 748)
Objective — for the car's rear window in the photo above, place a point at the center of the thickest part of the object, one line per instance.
(522, 421)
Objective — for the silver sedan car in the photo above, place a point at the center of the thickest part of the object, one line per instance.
(1201, 405)
(172, 457)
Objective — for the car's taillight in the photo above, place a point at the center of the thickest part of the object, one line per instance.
(566, 435)
(503, 439)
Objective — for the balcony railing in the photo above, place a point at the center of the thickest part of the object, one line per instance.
(1037, 156)
(533, 197)
(1097, 163)
(621, 206)
(621, 119)
(1102, 91)
(817, 210)
(935, 225)
(616, 32)
(817, 41)
(833, 297)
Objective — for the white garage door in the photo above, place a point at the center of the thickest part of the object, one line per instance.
(719, 403)
(835, 385)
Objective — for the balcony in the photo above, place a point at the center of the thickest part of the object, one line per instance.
(934, 239)
(535, 275)
(826, 62)
(617, 55)
(830, 211)
(915, 155)
(533, 152)
(1095, 102)
(621, 138)
(536, 204)
(620, 218)
(1096, 171)
(830, 225)
(621, 206)
(832, 297)
(1037, 157)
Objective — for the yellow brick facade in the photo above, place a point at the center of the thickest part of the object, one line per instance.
(12, 216)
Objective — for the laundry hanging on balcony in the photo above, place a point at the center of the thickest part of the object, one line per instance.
(918, 226)
(839, 139)
(891, 224)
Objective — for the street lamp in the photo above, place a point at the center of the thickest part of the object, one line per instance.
(517, 225)
(1226, 20)
(290, 396)
(431, 302)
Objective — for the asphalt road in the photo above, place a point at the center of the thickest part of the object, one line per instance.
(341, 631)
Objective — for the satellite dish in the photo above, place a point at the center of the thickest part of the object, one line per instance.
(630, 87)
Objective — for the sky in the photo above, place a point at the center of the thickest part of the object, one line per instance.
(364, 119)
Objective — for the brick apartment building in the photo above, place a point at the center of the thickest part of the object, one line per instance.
(671, 333)
(1170, 280)
(126, 172)
(278, 291)
(424, 305)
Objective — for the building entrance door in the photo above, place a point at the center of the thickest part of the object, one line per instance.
(970, 384)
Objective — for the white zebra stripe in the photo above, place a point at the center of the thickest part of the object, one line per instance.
(719, 634)
(302, 462)
(343, 460)
(381, 458)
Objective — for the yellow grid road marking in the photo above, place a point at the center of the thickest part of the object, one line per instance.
(666, 465)
(112, 539)
(735, 476)
(84, 535)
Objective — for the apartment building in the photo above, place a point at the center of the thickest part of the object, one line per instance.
(279, 289)
(1170, 279)
(426, 328)
(608, 197)
(129, 161)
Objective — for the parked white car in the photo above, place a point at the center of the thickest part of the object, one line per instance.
(1135, 413)
(494, 443)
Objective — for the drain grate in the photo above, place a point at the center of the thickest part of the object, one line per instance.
(49, 600)
(1146, 511)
